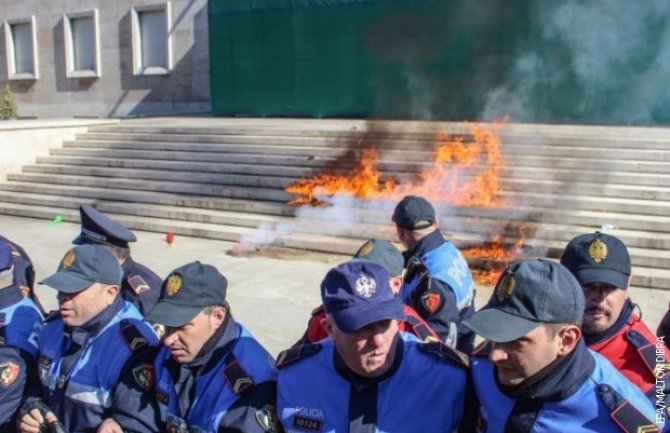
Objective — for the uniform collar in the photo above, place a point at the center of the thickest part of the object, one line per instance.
(10, 295)
(426, 244)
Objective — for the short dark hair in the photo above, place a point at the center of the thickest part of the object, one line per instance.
(210, 308)
(554, 328)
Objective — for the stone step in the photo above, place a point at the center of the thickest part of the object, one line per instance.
(661, 180)
(643, 277)
(261, 177)
(421, 151)
(159, 186)
(316, 160)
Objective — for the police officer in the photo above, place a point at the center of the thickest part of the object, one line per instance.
(85, 346)
(20, 325)
(387, 255)
(602, 266)
(535, 374)
(438, 282)
(211, 374)
(354, 380)
(24, 272)
(140, 285)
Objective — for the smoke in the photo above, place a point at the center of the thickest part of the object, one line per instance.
(605, 61)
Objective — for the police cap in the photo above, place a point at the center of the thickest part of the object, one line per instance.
(98, 228)
(357, 293)
(83, 266)
(528, 294)
(383, 253)
(413, 213)
(598, 258)
(186, 291)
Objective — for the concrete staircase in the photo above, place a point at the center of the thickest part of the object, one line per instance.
(224, 179)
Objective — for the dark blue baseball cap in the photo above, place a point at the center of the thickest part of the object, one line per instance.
(357, 293)
(527, 295)
(414, 213)
(383, 253)
(598, 258)
(84, 265)
(98, 228)
(186, 291)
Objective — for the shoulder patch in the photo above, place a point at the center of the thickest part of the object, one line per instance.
(8, 373)
(237, 377)
(138, 284)
(297, 353)
(431, 302)
(445, 352)
(483, 349)
(267, 418)
(645, 348)
(132, 335)
(145, 376)
(624, 414)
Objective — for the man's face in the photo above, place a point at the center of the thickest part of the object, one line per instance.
(78, 308)
(519, 359)
(603, 306)
(186, 341)
(368, 352)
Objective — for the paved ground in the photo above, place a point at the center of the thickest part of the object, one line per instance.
(271, 292)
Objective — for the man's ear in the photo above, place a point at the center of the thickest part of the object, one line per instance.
(327, 325)
(219, 315)
(569, 337)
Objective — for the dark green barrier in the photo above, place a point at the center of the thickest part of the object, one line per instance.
(548, 61)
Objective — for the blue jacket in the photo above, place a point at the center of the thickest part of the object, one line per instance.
(439, 286)
(80, 368)
(234, 387)
(20, 326)
(600, 401)
(423, 392)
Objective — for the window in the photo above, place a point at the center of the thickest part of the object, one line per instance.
(152, 53)
(21, 48)
(82, 52)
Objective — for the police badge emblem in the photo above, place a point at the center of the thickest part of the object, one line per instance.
(173, 285)
(431, 302)
(366, 249)
(8, 373)
(366, 286)
(505, 287)
(267, 418)
(68, 259)
(144, 376)
(598, 251)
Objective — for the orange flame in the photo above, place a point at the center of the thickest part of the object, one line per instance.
(443, 183)
(497, 255)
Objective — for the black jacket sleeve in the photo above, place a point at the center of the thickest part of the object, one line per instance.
(14, 380)
(253, 412)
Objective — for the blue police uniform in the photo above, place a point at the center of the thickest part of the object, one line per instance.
(80, 367)
(444, 294)
(20, 326)
(423, 391)
(140, 285)
(582, 393)
(229, 387)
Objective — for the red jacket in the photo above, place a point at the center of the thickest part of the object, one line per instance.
(414, 324)
(632, 351)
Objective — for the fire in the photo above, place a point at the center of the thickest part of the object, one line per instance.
(463, 173)
(445, 182)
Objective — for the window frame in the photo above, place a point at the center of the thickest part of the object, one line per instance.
(136, 31)
(11, 53)
(70, 65)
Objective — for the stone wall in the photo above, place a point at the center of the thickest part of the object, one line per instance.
(117, 92)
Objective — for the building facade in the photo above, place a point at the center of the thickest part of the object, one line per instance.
(95, 58)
